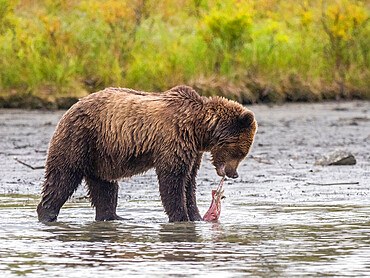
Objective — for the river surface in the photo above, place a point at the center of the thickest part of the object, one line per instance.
(283, 216)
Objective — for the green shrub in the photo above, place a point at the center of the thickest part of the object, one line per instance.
(248, 50)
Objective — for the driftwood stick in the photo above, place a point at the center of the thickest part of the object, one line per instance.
(258, 159)
(27, 165)
(335, 183)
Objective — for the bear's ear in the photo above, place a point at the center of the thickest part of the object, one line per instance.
(245, 119)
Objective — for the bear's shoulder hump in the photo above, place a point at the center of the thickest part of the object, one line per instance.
(185, 91)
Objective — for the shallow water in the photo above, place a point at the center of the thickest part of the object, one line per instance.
(275, 222)
(265, 239)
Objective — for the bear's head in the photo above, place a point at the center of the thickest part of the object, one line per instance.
(233, 135)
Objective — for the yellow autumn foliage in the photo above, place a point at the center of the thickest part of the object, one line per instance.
(270, 49)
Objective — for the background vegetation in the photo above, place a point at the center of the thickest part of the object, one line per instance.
(248, 50)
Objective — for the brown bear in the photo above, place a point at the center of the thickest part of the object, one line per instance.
(118, 133)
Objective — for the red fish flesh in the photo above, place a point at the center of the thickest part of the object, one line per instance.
(214, 210)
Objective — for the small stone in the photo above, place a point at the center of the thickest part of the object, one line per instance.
(338, 157)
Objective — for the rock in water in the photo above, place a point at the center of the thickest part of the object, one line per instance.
(338, 157)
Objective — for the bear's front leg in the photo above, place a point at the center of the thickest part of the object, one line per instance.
(172, 182)
(191, 186)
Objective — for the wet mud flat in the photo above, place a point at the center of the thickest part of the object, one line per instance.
(283, 216)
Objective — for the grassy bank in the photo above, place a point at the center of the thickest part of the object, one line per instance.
(251, 51)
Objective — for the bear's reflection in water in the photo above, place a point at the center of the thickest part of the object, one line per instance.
(114, 231)
(162, 241)
(179, 232)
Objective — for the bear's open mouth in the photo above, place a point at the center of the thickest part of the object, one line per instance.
(220, 169)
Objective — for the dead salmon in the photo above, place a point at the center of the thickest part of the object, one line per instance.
(214, 210)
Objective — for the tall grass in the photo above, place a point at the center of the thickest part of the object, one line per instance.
(267, 50)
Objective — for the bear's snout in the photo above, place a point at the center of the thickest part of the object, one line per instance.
(228, 169)
(233, 174)
(231, 169)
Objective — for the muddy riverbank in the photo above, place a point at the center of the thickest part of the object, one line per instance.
(283, 216)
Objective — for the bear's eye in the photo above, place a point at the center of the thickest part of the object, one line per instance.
(237, 154)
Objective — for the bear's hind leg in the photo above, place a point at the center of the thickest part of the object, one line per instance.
(103, 195)
(58, 187)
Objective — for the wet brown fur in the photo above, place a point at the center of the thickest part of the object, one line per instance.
(118, 133)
